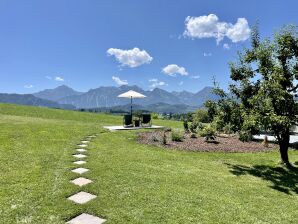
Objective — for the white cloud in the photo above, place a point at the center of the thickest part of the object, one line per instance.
(59, 79)
(226, 46)
(48, 77)
(195, 77)
(28, 86)
(210, 27)
(155, 83)
(180, 83)
(131, 58)
(240, 31)
(207, 54)
(119, 81)
(174, 69)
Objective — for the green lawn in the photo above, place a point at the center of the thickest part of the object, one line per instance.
(134, 183)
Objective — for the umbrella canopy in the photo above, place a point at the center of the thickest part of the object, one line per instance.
(131, 94)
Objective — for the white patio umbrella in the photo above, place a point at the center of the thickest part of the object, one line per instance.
(131, 94)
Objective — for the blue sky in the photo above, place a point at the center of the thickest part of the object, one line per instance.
(175, 45)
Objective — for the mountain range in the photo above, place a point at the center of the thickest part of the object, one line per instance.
(106, 97)
(31, 100)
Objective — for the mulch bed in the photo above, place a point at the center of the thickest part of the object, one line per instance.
(222, 144)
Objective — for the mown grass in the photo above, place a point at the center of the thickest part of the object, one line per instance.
(134, 183)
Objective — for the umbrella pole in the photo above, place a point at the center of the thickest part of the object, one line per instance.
(131, 106)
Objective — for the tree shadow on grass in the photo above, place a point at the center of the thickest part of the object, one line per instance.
(283, 179)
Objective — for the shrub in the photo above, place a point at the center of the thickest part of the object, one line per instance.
(177, 136)
(195, 126)
(228, 129)
(154, 115)
(218, 124)
(245, 136)
(193, 135)
(185, 125)
(208, 132)
(201, 115)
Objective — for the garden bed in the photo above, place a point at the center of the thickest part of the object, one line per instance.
(221, 144)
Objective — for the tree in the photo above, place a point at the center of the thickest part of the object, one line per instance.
(225, 113)
(265, 81)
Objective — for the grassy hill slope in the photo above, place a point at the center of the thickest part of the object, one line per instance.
(134, 183)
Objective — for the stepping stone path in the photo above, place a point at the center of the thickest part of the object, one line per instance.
(83, 145)
(79, 156)
(80, 162)
(80, 170)
(83, 197)
(81, 181)
(86, 219)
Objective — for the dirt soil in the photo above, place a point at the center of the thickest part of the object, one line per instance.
(221, 143)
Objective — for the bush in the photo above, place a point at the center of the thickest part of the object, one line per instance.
(218, 124)
(245, 136)
(201, 116)
(154, 115)
(185, 125)
(208, 132)
(177, 136)
(195, 126)
(193, 135)
(228, 129)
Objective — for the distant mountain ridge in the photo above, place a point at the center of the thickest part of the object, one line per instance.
(31, 100)
(107, 97)
(57, 93)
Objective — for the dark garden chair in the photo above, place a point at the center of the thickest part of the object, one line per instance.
(146, 120)
(127, 121)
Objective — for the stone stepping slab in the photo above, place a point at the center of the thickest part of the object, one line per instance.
(85, 142)
(81, 150)
(81, 181)
(79, 156)
(80, 170)
(82, 197)
(82, 145)
(86, 219)
(80, 162)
